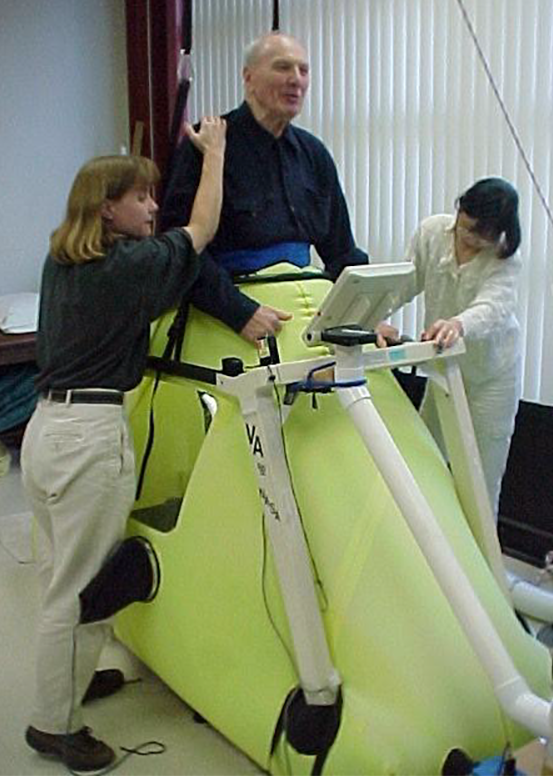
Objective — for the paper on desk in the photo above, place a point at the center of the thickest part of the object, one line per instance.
(18, 313)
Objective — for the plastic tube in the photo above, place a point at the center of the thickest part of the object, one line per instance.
(510, 688)
(530, 599)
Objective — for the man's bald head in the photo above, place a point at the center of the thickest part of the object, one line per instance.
(265, 43)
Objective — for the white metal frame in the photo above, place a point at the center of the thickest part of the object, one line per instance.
(255, 391)
(319, 678)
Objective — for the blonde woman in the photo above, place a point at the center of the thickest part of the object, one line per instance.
(105, 279)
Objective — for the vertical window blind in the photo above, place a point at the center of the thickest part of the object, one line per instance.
(402, 99)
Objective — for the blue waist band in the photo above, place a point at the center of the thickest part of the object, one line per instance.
(253, 259)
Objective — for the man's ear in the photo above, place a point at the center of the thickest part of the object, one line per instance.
(106, 211)
(246, 78)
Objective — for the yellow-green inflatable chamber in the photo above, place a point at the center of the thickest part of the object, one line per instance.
(217, 633)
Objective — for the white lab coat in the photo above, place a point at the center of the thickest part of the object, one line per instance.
(482, 294)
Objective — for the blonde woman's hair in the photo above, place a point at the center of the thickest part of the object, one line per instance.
(84, 235)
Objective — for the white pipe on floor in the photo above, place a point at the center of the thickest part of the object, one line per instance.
(510, 688)
(530, 599)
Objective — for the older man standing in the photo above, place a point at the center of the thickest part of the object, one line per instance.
(281, 191)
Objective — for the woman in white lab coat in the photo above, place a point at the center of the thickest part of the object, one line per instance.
(466, 266)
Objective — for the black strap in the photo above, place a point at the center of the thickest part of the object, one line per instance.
(283, 277)
(276, 22)
(193, 371)
(320, 758)
(183, 89)
(175, 335)
(172, 352)
(149, 441)
(279, 727)
(187, 26)
(318, 765)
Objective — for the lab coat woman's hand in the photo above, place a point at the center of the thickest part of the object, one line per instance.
(444, 333)
(385, 333)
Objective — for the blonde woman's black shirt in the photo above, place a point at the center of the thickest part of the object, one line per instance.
(94, 318)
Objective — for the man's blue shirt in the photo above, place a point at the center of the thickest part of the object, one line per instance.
(276, 190)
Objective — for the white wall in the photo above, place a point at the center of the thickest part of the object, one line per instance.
(401, 98)
(63, 99)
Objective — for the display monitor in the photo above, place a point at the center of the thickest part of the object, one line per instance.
(362, 296)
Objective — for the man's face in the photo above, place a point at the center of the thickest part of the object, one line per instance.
(277, 81)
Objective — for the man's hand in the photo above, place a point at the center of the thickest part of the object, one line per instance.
(444, 333)
(384, 332)
(265, 321)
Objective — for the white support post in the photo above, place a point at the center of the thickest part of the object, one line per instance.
(531, 599)
(464, 458)
(511, 690)
(466, 466)
(318, 677)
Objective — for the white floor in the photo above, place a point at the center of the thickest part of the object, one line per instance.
(144, 711)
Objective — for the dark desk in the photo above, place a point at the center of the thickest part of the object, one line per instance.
(17, 348)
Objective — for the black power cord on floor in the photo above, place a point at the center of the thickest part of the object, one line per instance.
(145, 749)
(157, 748)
